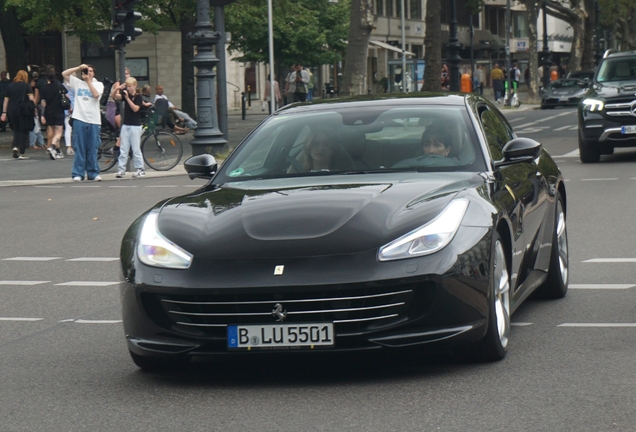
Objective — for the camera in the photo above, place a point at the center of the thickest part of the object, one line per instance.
(85, 71)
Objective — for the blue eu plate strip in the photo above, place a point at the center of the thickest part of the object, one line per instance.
(232, 336)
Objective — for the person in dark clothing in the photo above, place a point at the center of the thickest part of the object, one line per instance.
(4, 83)
(18, 91)
(52, 113)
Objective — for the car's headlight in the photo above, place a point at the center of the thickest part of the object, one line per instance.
(157, 251)
(430, 238)
(593, 105)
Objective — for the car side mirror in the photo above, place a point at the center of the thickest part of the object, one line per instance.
(519, 150)
(201, 166)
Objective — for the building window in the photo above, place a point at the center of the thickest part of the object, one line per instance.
(520, 25)
(416, 9)
(389, 8)
(398, 8)
(379, 7)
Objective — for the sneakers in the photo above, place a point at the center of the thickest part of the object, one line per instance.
(139, 173)
(59, 154)
(98, 178)
(70, 151)
(15, 153)
(22, 157)
(51, 152)
(77, 179)
(121, 174)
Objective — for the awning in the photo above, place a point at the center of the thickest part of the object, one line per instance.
(463, 38)
(389, 47)
(483, 39)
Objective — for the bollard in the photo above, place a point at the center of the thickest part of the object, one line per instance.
(243, 105)
(466, 84)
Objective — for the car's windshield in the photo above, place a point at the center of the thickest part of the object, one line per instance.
(565, 83)
(617, 69)
(356, 141)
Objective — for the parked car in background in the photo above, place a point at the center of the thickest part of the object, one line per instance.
(563, 92)
(350, 224)
(607, 114)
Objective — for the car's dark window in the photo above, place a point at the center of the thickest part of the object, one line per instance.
(355, 140)
(566, 83)
(497, 131)
(617, 69)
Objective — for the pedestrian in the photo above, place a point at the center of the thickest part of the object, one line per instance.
(36, 140)
(496, 78)
(526, 77)
(445, 77)
(68, 129)
(112, 107)
(188, 122)
(21, 124)
(297, 81)
(515, 76)
(480, 79)
(267, 97)
(87, 119)
(131, 129)
(4, 83)
(52, 113)
(310, 85)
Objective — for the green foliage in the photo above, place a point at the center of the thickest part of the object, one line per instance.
(312, 32)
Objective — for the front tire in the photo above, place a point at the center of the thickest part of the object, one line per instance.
(559, 271)
(587, 152)
(494, 345)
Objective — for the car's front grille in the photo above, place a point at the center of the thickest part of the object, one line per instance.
(619, 108)
(352, 308)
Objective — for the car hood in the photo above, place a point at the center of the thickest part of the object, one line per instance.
(615, 89)
(271, 218)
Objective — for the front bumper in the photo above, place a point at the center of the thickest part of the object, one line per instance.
(440, 298)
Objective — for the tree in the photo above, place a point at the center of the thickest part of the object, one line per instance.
(574, 15)
(433, 47)
(354, 80)
(312, 33)
(532, 8)
(11, 29)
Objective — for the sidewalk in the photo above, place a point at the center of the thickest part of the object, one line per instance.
(40, 169)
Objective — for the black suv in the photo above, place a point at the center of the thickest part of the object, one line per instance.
(607, 113)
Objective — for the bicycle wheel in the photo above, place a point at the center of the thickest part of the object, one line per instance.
(106, 154)
(162, 150)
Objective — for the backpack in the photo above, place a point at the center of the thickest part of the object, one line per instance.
(108, 85)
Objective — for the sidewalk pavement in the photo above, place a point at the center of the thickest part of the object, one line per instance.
(39, 169)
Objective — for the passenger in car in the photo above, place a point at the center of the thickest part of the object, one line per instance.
(436, 147)
(322, 153)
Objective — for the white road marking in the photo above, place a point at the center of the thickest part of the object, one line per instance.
(19, 319)
(86, 186)
(95, 259)
(599, 325)
(545, 119)
(87, 283)
(122, 186)
(573, 128)
(48, 187)
(564, 128)
(162, 186)
(610, 260)
(31, 259)
(83, 321)
(599, 179)
(532, 130)
(516, 119)
(601, 286)
(572, 154)
(520, 324)
(27, 283)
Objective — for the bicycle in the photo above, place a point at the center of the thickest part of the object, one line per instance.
(161, 150)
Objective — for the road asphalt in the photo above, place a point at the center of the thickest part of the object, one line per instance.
(39, 169)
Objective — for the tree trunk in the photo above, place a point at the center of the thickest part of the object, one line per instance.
(433, 47)
(354, 78)
(11, 30)
(532, 7)
(188, 100)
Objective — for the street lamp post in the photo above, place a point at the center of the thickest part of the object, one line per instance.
(404, 87)
(207, 136)
(453, 49)
(508, 99)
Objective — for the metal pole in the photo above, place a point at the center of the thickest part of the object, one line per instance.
(404, 88)
(270, 29)
(122, 77)
(546, 50)
(207, 136)
(453, 50)
(219, 26)
(507, 100)
(472, 51)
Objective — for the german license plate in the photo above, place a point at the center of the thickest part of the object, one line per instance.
(280, 335)
(563, 99)
(628, 129)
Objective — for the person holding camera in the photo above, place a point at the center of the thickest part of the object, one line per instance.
(131, 129)
(87, 120)
(297, 82)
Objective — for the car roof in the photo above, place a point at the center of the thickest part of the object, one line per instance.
(366, 101)
(611, 54)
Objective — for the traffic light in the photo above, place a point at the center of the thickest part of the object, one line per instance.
(124, 17)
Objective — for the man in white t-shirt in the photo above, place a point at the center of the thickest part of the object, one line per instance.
(87, 120)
